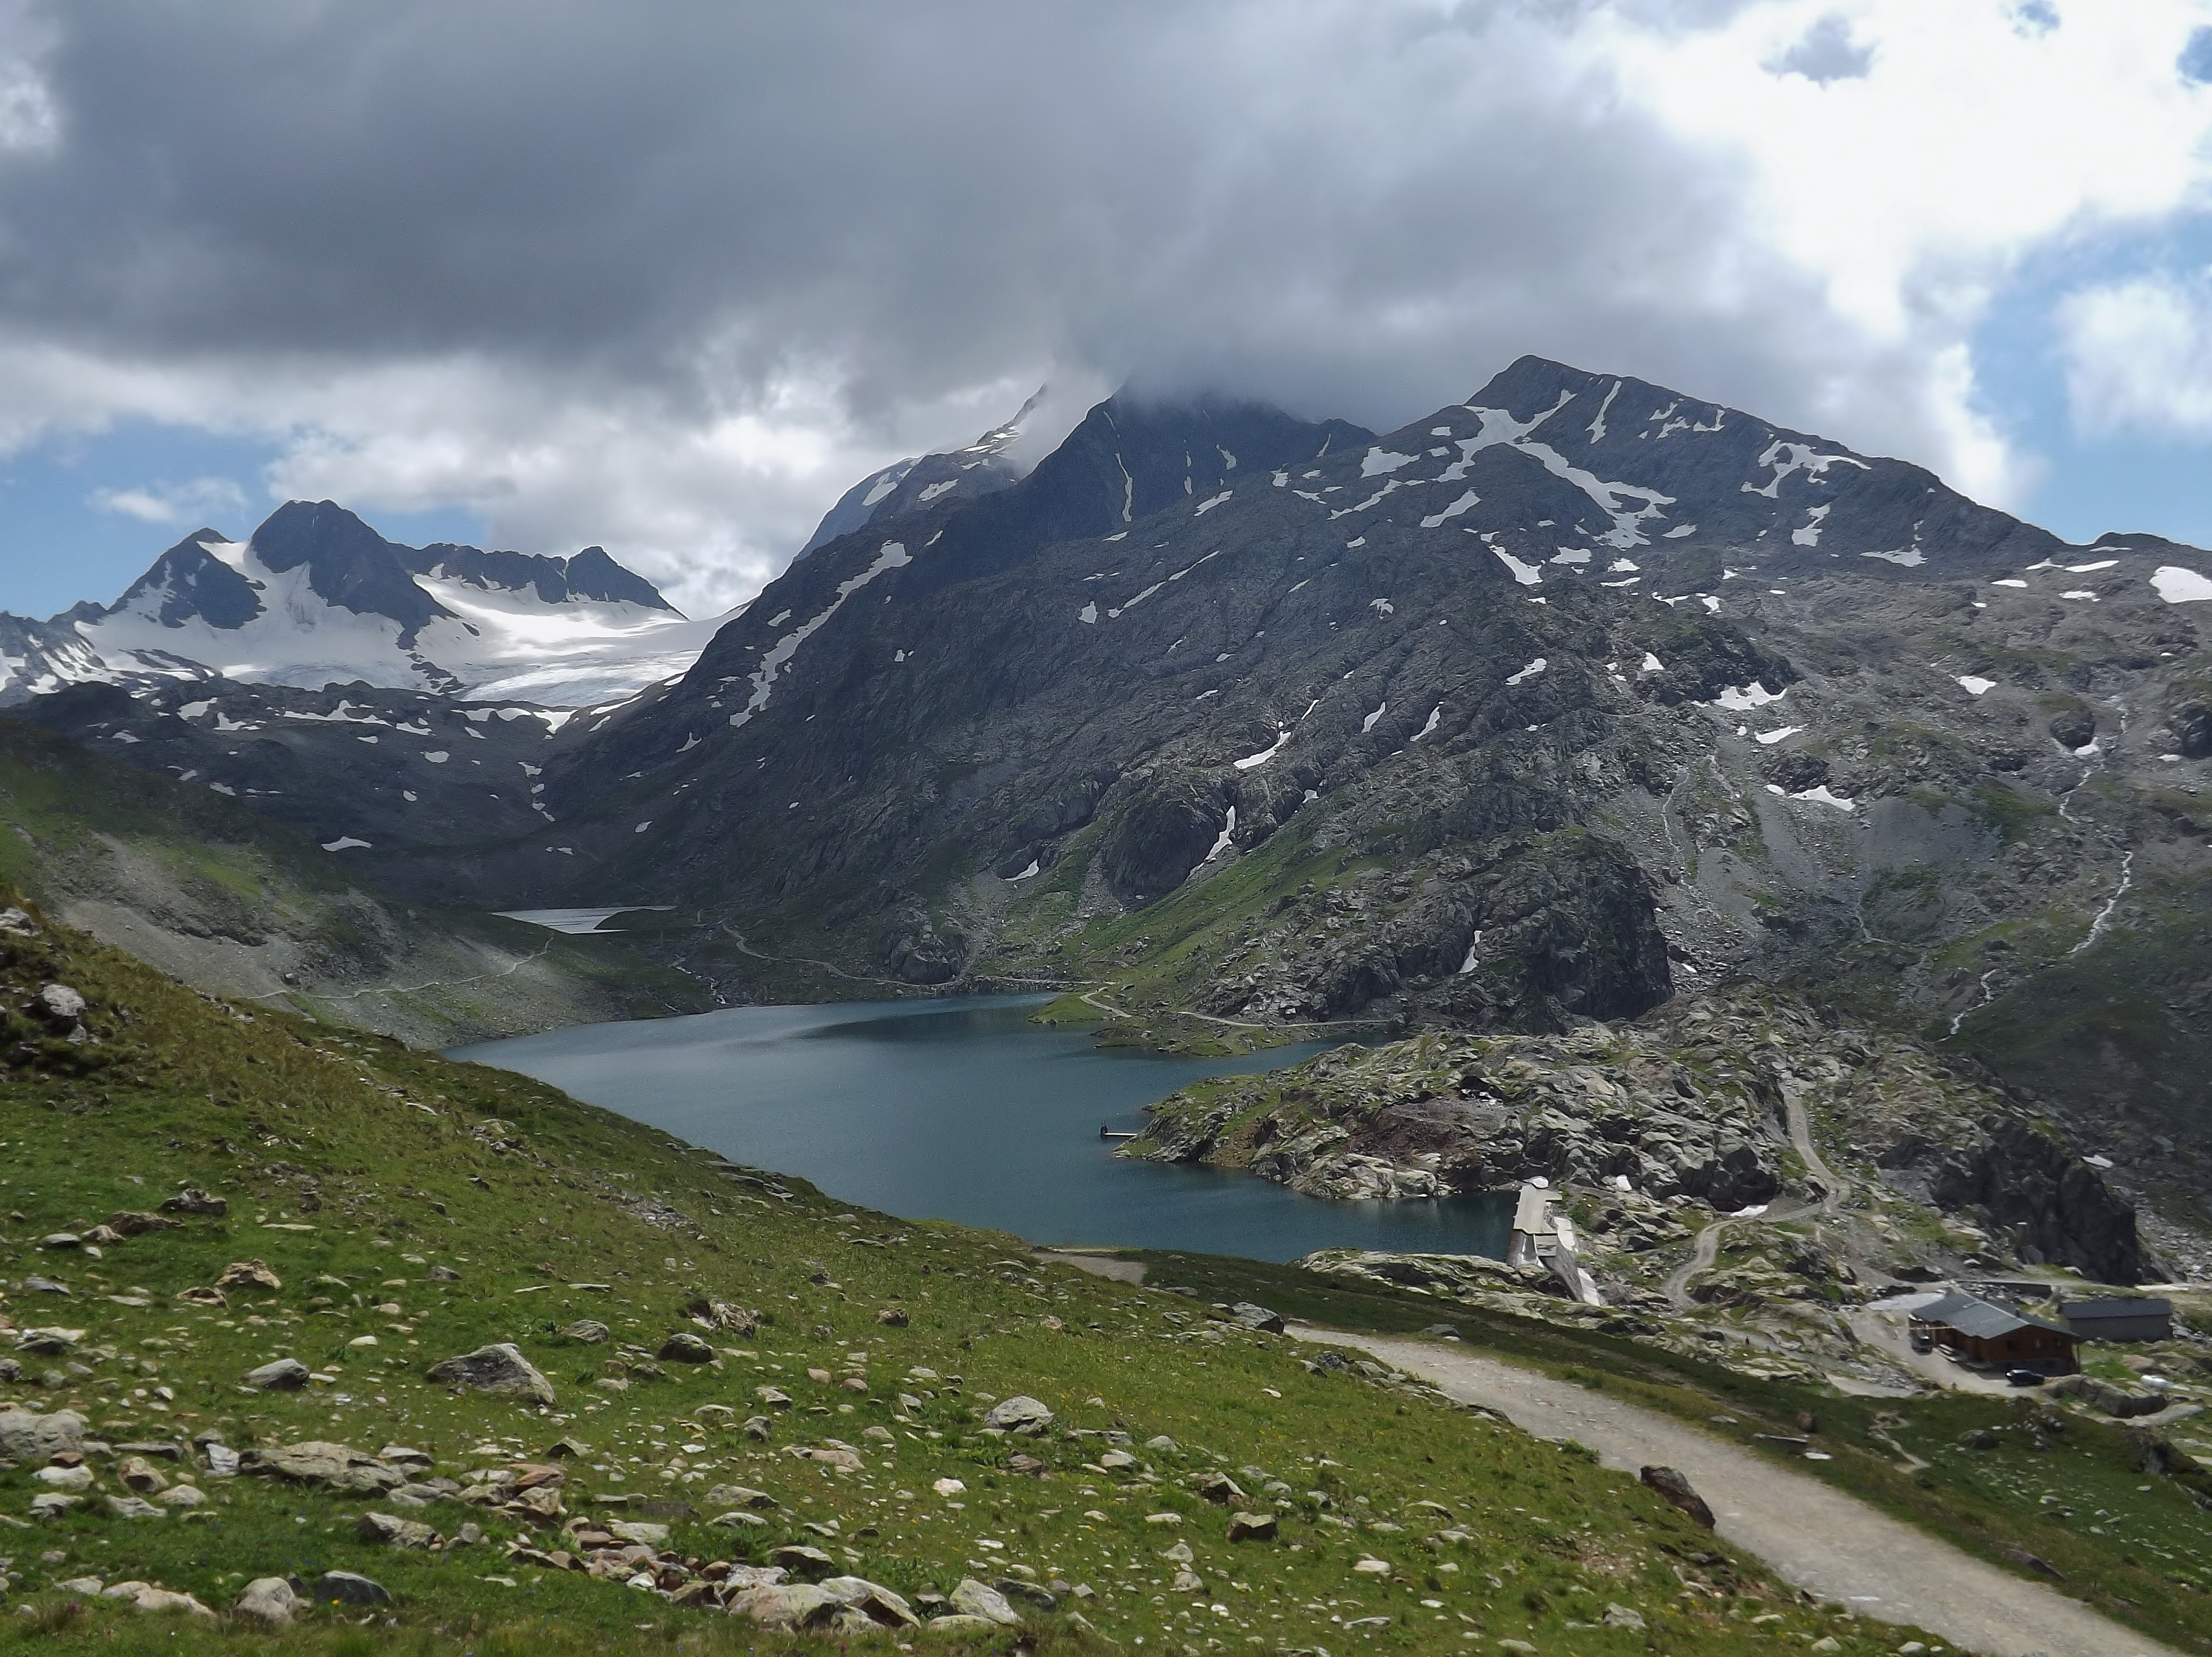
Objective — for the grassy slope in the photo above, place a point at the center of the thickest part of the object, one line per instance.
(2133, 1545)
(376, 1148)
(200, 884)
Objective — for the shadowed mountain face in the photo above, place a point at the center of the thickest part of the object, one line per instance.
(1538, 708)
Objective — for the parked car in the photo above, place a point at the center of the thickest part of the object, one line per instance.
(2023, 1377)
(1923, 1341)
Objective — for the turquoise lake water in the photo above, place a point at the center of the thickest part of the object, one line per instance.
(964, 1109)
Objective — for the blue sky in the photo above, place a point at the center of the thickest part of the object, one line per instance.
(63, 541)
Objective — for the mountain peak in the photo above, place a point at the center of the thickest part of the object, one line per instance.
(349, 564)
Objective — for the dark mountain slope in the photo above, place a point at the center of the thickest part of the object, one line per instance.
(1522, 714)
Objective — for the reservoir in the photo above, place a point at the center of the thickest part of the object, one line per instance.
(964, 1109)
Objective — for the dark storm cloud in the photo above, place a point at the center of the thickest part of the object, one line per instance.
(670, 275)
(1366, 206)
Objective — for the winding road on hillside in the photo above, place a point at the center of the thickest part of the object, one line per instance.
(1709, 1239)
(1812, 1535)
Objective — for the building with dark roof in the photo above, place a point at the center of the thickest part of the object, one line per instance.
(2120, 1317)
(1979, 1332)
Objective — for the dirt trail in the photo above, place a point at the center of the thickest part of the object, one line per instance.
(1701, 1258)
(1811, 1534)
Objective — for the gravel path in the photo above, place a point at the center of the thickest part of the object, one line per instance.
(1812, 1535)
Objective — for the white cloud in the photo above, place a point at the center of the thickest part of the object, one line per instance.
(2139, 356)
(198, 501)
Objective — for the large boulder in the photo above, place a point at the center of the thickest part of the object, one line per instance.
(499, 1367)
(29, 1435)
(1676, 1492)
(335, 1466)
(1019, 1414)
(973, 1599)
(268, 1603)
(284, 1375)
(786, 1605)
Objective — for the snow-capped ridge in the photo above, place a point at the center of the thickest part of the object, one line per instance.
(316, 597)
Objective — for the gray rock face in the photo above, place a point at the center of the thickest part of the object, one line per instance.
(1676, 1492)
(27, 1436)
(1018, 1414)
(683, 1347)
(268, 1603)
(59, 1004)
(973, 1599)
(1689, 1101)
(282, 1376)
(387, 1530)
(500, 1368)
(345, 1587)
(335, 1466)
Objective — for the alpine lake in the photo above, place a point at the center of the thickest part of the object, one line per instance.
(967, 1110)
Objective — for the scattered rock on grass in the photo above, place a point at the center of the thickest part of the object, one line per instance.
(974, 1600)
(388, 1530)
(268, 1603)
(248, 1274)
(146, 1597)
(1675, 1491)
(338, 1466)
(30, 1436)
(284, 1375)
(683, 1347)
(192, 1200)
(739, 1496)
(800, 1561)
(1251, 1528)
(1020, 1413)
(590, 1330)
(345, 1587)
(499, 1367)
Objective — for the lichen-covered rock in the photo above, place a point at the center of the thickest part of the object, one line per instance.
(335, 1466)
(34, 1436)
(267, 1603)
(499, 1367)
(974, 1598)
(1020, 1413)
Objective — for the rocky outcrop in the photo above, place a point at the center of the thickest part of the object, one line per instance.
(2057, 1206)
(1689, 1101)
(1667, 1105)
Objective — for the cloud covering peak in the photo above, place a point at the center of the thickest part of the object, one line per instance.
(672, 288)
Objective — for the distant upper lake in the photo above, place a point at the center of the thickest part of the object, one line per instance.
(963, 1109)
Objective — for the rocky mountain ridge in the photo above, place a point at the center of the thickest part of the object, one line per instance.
(314, 598)
(1540, 709)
